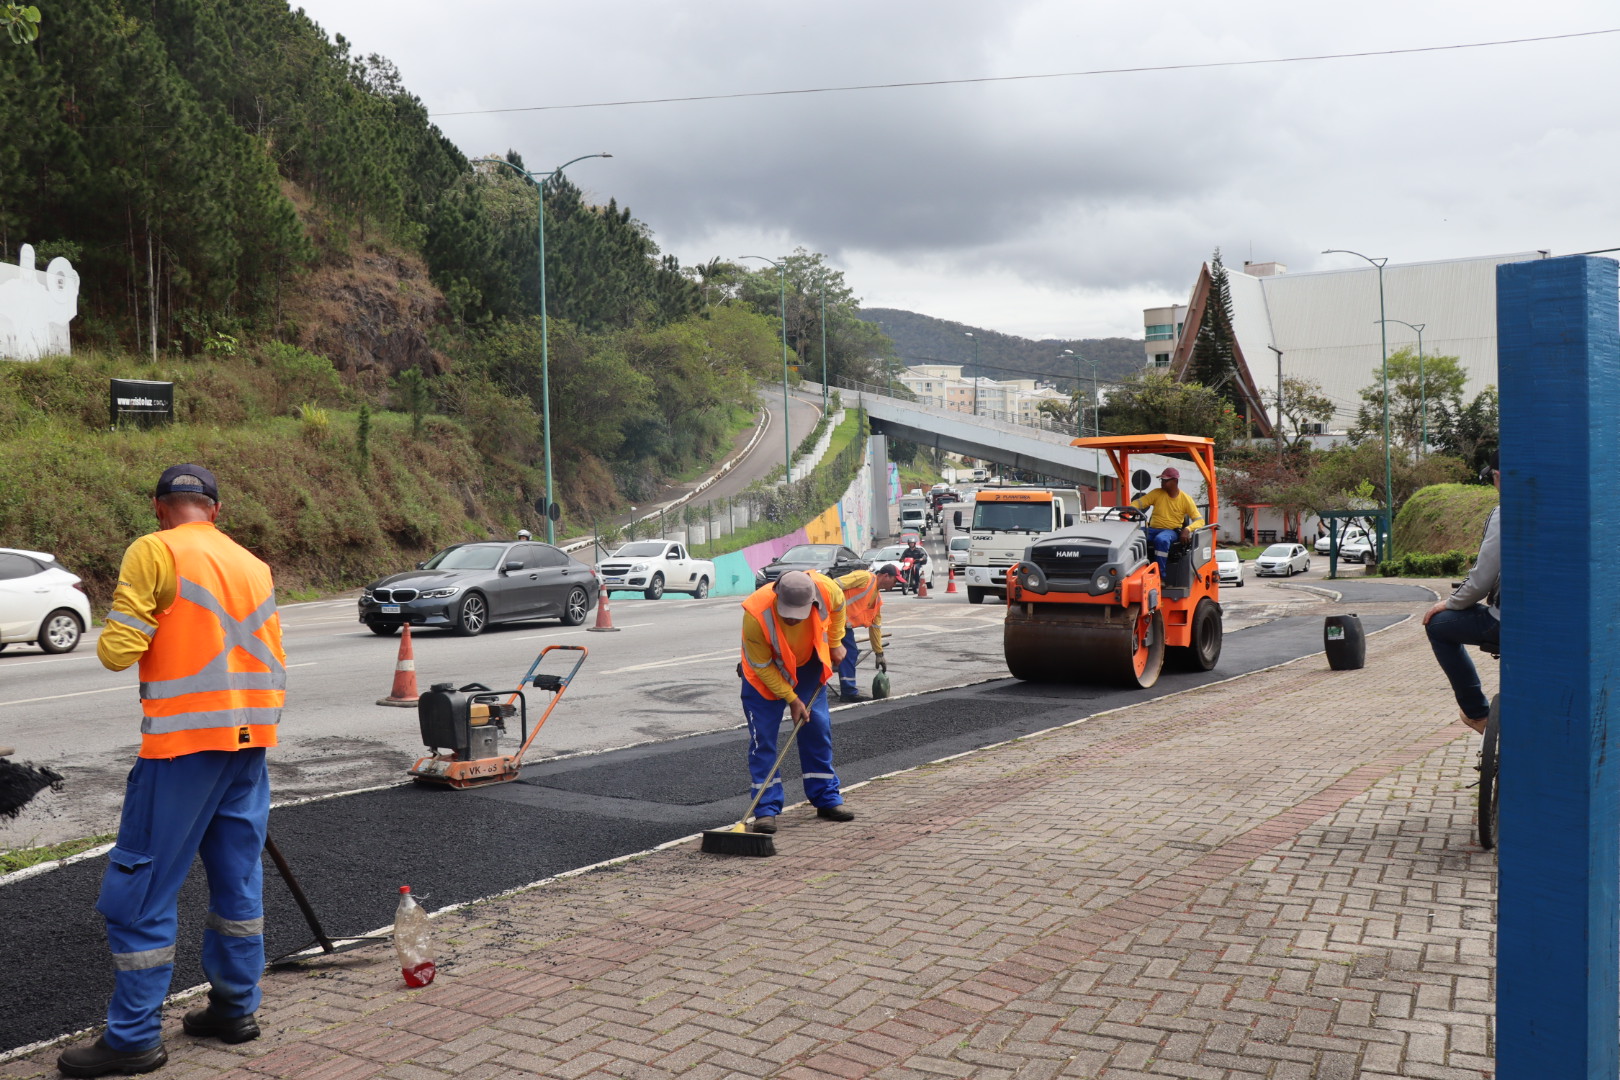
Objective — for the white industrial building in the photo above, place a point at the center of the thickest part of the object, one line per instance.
(1325, 324)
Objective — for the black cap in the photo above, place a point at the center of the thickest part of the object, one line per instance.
(190, 478)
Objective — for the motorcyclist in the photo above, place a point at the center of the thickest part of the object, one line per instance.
(1461, 619)
(918, 556)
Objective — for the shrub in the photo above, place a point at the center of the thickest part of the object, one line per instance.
(1421, 564)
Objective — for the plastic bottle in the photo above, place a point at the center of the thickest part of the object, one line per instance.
(411, 942)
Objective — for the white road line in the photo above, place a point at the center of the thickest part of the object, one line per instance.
(571, 633)
(694, 659)
(105, 690)
(55, 660)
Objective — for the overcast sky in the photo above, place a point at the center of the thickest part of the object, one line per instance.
(1049, 207)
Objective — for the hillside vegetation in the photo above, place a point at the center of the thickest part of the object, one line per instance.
(1444, 517)
(923, 339)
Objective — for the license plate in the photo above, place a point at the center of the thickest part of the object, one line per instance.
(390, 609)
(613, 581)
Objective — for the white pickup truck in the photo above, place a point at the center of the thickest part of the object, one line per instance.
(655, 567)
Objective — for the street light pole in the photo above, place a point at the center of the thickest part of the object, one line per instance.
(787, 436)
(1279, 353)
(1079, 410)
(823, 290)
(539, 182)
(1423, 388)
(1383, 339)
(969, 333)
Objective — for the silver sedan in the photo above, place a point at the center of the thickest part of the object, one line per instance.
(1283, 560)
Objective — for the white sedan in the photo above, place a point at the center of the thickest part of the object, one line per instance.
(1283, 560)
(1228, 567)
(41, 603)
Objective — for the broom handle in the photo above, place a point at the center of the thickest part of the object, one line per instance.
(781, 758)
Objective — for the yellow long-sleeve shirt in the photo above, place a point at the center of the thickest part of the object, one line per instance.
(1169, 511)
(757, 647)
(147, 583)
(854, 581)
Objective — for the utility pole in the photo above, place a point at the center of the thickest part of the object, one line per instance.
(1279, 431)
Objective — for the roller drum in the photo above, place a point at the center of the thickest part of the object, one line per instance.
(1084, 643)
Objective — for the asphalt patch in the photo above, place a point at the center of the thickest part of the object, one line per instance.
(1370, 592)
(351, 854)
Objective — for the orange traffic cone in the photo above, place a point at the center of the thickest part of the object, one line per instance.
(404, 692)
(950, 582)
(922, 586)
(604, 617)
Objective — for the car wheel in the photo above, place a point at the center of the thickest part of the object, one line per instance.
(702, 590)
(655, 588)
(578, 606)
(60, 632)
(472, 616)
(383, 629)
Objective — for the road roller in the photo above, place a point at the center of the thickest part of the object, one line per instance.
(1088, 603)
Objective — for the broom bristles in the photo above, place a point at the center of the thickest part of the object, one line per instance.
(732, 842)
(20, 783)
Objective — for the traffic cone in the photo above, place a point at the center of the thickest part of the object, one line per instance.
(950, 582)
(922, 586)
(404, 692)
(604, 617)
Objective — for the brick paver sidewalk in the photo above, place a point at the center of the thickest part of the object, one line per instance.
(1273, 876)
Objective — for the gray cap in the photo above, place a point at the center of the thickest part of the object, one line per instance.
(795, 595)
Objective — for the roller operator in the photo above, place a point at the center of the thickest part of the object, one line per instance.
(1174, 516)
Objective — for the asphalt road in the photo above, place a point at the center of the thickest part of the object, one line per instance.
(352, 852)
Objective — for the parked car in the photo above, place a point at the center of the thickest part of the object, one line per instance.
(1353, 534)
(1283, 560)
(1228, 567)
(469, 587)
(656, 567)
(834, 560)
(41, 602)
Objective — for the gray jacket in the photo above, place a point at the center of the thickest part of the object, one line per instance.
(1484, 581)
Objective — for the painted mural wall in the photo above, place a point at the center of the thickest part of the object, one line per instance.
(846, 522)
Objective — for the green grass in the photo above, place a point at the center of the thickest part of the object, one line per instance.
(23, 858)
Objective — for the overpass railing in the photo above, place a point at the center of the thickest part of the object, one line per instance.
(994, 417)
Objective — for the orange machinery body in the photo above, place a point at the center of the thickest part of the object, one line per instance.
(452, 769)
(1137, 607)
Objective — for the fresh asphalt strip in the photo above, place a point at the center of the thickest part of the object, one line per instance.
(352, 853)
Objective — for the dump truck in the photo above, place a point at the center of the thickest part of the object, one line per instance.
(1089, 604)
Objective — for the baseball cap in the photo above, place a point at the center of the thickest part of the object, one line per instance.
(1171, 473)
(192, 478)
(795, 595)
(888, 568)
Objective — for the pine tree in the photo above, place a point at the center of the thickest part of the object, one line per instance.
(1214, 357)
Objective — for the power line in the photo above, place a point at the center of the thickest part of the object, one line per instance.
(1208, 65)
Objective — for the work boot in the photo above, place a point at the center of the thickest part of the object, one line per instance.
(765, 823)
(848, 697)
(99, 1059)
(835, 813)
(208, 1024)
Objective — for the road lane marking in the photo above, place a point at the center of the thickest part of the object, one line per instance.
(571, 633)
(678, 661)
(107, 690)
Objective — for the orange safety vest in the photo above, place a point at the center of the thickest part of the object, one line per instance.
(862, 603)
(762, 606)
(215, 675)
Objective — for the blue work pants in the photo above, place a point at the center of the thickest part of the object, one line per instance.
(1450, 634)
(846, 668)
(1159, 541)
(815, 743)
(215, 804)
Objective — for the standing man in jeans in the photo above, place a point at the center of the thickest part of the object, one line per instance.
(198, 611)
(1461, 619)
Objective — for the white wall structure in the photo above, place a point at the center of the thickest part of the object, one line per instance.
(36, 307)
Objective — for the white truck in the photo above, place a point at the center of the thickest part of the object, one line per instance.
(655, 567)
(913, 512)
(1005, 521)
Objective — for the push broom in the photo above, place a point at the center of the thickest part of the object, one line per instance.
(737, 840)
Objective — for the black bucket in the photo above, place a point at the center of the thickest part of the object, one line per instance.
(1345, 643)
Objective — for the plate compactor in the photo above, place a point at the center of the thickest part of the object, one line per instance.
(1088, 604)
(463, 727)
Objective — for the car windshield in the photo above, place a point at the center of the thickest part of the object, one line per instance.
(640, 551)
(810, 553)
(961, 543)
(1226, 555)
(467, 557)
(1277, 551)
(884, 554)
(1013, 516)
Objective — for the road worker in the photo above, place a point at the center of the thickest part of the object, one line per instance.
(198, 612)
(1173, 511)
(863, 606)
(788, 655)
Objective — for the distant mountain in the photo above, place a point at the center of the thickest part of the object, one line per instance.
(923, 339)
